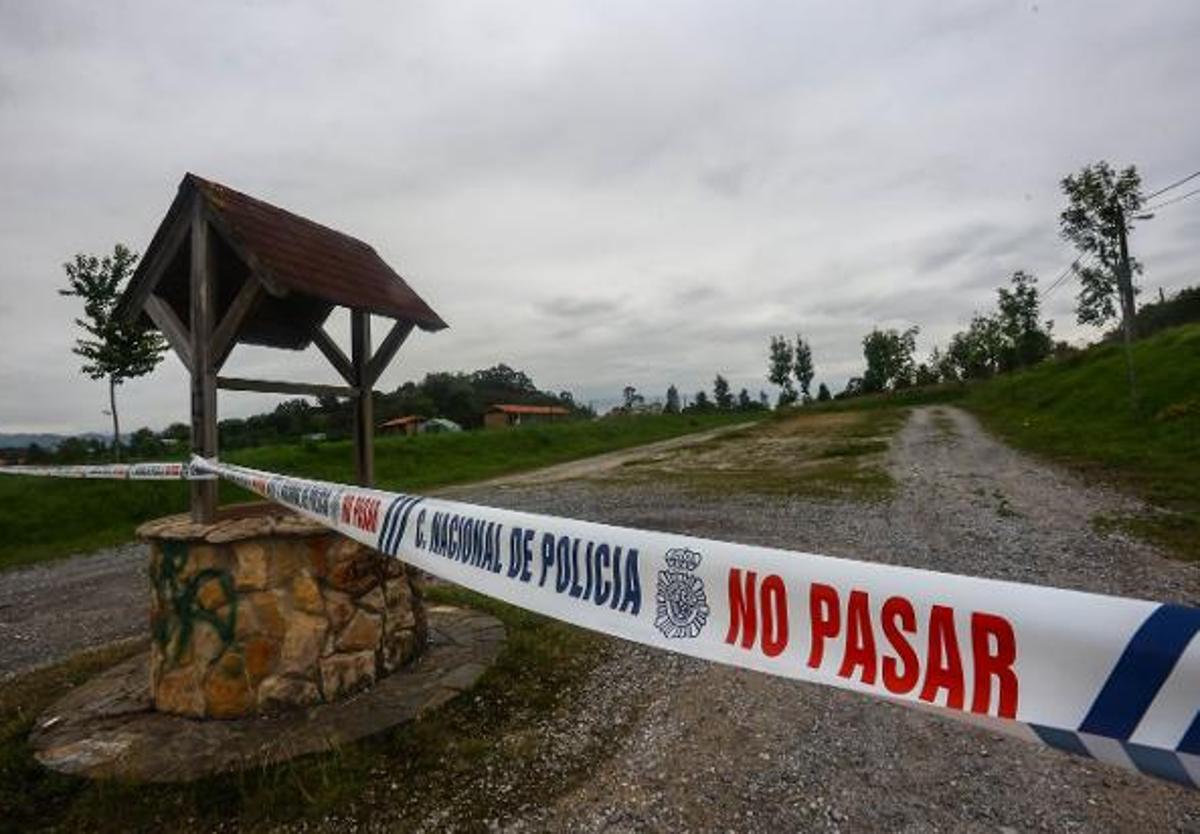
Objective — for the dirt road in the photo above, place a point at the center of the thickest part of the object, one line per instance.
(667, 743)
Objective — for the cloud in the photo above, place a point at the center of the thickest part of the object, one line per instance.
(600, 195)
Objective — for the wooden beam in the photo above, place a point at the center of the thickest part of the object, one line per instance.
(204, 388)
(178, 337)
(217, 222)
(303, 389)
(387, 350)
(364, 418)
(158, 264)
(225, 336)
(334, 354)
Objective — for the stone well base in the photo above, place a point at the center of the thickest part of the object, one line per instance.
(107, 729)
(264, 611)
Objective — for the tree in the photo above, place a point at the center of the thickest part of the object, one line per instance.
(926, 374)
(631, 398)
(977, 352)
(701, 403)
(889, 356)
(672, 406)
(823, 395)
(763, 399)
(721, 394)
(1027, 341)
(114, 349)
(744, 403)
(802, 364)
(779, 369)
(1100, 203)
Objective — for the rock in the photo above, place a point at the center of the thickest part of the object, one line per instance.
(342, 674)
(339, 608)
(250, 574)
(351, 568)
(268, 614)
(278, 693)
(396, 591)
(399, 647)
(261, 656)
(212, 594)
(372, 600)
(363, 632)
(227, 690)
(302, 642)
(306, 594)
(207, 643)
(179, 691)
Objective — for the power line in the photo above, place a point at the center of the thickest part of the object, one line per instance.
(1176, 184)
(1178, 199)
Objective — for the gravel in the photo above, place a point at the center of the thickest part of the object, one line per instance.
(694, 746)
(51, 611)
(667, 742)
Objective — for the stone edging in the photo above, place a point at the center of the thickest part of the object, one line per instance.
(106, 728)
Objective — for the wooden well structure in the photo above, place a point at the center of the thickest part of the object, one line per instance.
(225, 268)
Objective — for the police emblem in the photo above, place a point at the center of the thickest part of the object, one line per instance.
(682, 604)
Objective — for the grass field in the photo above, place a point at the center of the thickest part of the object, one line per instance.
(43, 518)
(1077, 411)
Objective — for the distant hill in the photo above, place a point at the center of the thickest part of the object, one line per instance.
(46, 441)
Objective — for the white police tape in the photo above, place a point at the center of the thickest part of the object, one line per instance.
(118, 471)
(1111, 678)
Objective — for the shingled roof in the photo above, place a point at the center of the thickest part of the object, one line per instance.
(306, 268)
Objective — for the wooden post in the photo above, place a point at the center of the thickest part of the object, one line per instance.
(1128, 310)
(364, 411)
(204, 378)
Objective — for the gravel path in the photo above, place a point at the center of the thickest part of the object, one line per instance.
(49, 612)
(685, 745)
(670, 743)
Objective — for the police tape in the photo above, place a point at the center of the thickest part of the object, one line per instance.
(118, 471)
(1106, 677)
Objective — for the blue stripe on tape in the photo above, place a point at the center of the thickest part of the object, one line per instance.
(1157, 762)
(1191, 739)
(404, 523)
(1143, 668)
(1064, 740)
(390, 519)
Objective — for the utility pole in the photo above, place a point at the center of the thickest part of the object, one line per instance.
(1125, 288)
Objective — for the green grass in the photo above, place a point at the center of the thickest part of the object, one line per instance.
(1077, 410)
(832, 452)
(414, 768)
(43, 518)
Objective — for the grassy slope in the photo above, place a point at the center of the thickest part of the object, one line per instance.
(44, 518)
(1077, 410)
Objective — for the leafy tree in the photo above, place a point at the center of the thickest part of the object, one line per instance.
(926, 374)
(114, 350)
(823, 395)
(943, 365)
(854, 388)
(631, 398)
(779, 369)
(744, 403)
(978, 351)
(763, 399)
(802, 364)
(701, 403)
(672, 406)
(721, 394)
(1100, 201)
(889, 355)
(1027, 341)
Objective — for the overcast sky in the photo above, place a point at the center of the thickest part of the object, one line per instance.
(597, 193)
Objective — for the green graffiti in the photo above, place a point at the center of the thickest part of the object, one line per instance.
(179, 609)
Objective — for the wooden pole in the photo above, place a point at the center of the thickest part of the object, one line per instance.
(204, 378)
(1125, 290)
(364, 411)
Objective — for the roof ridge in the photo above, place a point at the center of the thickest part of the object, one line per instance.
(204, 183)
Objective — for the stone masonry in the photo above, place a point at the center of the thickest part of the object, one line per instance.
(264, 611)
